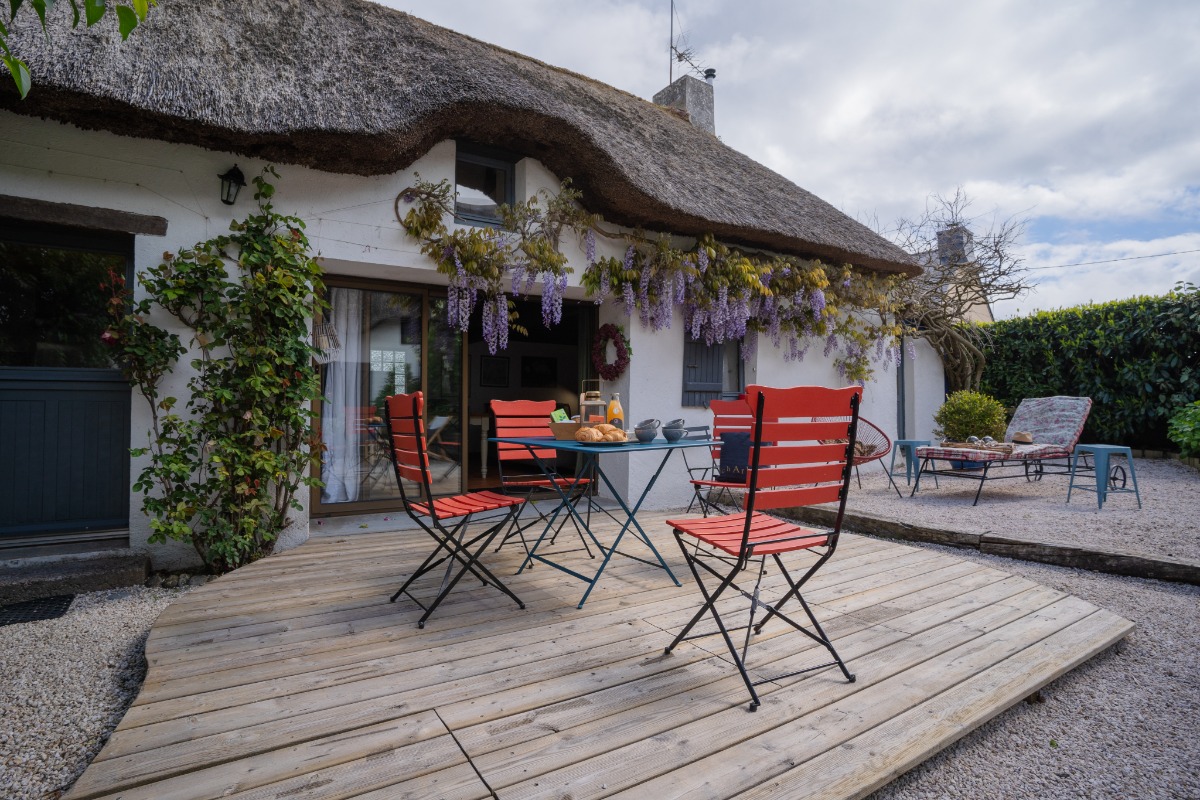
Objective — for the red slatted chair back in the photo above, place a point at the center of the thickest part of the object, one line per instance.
(522, 419)
(729, 416)
(795, 467)
(525, 419)
(410, 454)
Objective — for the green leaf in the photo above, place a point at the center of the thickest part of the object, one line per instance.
(40, 7)
(93, 11)
(74, 13)
(128, 20)
(142, 8)
(19, 72)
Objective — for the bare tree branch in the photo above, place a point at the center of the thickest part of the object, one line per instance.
(967, 268)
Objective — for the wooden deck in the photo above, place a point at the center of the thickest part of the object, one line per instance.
(295, 678)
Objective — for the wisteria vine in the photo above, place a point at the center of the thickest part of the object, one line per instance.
(726, 294)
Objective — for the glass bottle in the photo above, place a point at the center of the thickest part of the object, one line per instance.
(616, 414)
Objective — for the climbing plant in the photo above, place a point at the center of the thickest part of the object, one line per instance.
(726, 293)
(224, 468)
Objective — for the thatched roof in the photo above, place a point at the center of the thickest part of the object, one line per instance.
(353, 87)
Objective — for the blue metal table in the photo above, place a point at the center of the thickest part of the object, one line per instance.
(1108, 481)
(591, 466)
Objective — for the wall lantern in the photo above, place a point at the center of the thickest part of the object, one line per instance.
(231, 183)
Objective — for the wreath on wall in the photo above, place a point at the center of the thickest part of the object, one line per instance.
(610, 333)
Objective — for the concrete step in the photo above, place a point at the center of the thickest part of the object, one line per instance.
(45, 576)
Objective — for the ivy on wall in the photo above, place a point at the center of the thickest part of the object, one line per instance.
(1138, 359)
(224, 466)
(725, 293)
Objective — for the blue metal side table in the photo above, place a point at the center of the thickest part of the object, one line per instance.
(909, 446)
(1108, 480)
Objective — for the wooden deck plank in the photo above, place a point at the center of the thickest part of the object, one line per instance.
(577, 718)
(421, 742)
(870, 760)
(869, 650)
(681, 762)
(295, 677)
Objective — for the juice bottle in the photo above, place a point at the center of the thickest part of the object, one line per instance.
(616, 414)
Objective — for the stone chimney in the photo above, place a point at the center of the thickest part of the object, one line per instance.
(955, 245)
(694, 97)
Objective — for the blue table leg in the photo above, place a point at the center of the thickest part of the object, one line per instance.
(1100, 459)
(1133, 477)
(564, 502)
(631, 521)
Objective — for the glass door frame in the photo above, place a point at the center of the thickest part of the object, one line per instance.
(317, 509)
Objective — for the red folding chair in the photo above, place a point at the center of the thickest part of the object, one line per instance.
(732, 417)
(520, 473)
(790, 466)
(410, 457)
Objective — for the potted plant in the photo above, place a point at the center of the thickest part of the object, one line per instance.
(966, 414)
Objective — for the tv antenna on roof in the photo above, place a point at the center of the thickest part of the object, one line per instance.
(680, 51)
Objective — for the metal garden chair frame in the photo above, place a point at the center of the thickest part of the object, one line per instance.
(410, 458)
(790, 465)
(531, 418)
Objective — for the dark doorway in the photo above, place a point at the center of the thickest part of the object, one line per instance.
(64, 407)
(543, 363)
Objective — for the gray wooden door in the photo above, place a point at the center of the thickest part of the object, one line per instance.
(64, 408)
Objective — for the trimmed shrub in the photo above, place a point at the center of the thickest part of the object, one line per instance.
(970, 414)
(1138, 359)
(1184, 430)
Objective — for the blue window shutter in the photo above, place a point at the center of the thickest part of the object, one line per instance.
(703, 372)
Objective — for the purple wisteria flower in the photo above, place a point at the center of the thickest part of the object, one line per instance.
(830, 343)
(817, 301)
(589, 244)
(489, 327)
(502, 317)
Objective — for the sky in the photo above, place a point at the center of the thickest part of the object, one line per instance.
(1083, 118)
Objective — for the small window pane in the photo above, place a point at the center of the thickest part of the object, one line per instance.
(52, 310)
(481, 188)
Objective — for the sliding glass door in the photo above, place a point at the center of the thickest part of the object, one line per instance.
(381, 343)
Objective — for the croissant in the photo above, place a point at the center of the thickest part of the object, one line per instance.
(615, 436)
(588, 435)
(605, 428)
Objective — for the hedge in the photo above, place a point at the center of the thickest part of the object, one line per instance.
(1138, 359)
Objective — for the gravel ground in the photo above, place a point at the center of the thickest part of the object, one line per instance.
(65, 684)
(1165, 525)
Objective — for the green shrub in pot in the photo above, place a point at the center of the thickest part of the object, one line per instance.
(968, 413)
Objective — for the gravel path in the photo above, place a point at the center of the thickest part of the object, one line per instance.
(65, 683)
(1165, 525)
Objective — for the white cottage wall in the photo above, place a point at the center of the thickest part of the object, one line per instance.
(924, 389)
(353, 229)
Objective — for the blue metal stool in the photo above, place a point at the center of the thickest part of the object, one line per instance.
(1108, 481)
(909, 446)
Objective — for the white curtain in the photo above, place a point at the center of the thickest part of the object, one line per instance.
(341, 422)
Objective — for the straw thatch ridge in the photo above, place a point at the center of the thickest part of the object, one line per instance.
(353, 87)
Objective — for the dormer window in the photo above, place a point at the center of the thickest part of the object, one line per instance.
(484, 179)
